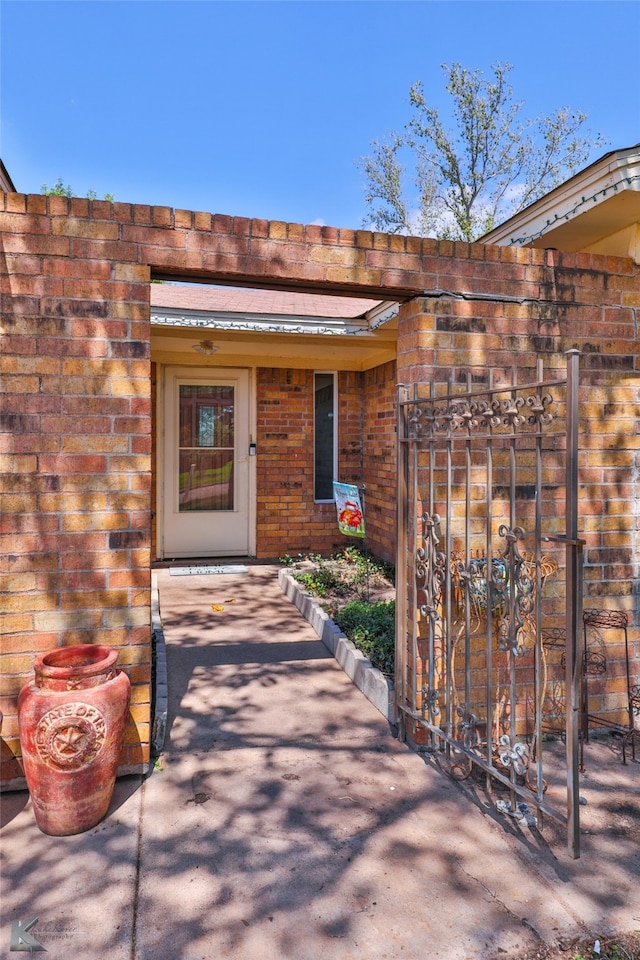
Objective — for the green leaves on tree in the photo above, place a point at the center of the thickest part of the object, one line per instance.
(60, 190)
(488, 166)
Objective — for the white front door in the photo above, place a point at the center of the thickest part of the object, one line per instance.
(205, 502)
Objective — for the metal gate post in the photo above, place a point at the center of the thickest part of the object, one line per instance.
(402, 457)
(574, 649)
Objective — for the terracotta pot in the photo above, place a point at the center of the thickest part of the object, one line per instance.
(72, 718)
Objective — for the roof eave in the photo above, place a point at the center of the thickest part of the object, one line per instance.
(261, 323)
(616, 172)
(5, 180)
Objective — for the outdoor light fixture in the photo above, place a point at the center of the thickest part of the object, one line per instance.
(206, 347)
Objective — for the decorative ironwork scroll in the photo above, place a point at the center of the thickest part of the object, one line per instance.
(430, 578)
(514, 754)
(478, 415)
(430, 567)
(514, 585)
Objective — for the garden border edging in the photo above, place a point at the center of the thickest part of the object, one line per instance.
(367, 678)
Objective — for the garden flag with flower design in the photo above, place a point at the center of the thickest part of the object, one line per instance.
(349, 508)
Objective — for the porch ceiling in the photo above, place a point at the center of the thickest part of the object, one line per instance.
(270, 328)
(177, 345)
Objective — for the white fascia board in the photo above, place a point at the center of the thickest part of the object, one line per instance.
(259, 322)
(382, 313)
(615, 172)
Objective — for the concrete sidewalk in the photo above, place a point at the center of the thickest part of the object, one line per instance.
(284, 821)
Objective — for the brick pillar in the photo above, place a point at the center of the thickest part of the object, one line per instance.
(75, 470)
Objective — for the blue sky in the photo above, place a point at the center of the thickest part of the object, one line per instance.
(262, 109)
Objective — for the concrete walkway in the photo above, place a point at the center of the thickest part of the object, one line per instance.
(285, 821)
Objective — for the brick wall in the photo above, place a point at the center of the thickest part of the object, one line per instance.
(289, 521)
(379, 440)
(75, 473)
(543, 304)
(75, 479)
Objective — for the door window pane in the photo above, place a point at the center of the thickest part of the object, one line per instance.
(324, 435)
(206, 426)
(206, 453)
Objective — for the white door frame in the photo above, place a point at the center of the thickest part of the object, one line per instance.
(165, 371)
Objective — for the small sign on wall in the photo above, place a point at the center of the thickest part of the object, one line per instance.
(350, 509)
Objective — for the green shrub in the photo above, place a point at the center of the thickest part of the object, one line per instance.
(324, 577)
(320, 581)
(371, 627)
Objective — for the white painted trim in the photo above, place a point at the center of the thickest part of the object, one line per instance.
(615, 172)
(163, 369)
(261, 323)
(335, 465)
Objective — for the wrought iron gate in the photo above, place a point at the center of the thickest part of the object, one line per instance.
(489, 643)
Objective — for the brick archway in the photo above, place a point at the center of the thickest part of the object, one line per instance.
(77, 382)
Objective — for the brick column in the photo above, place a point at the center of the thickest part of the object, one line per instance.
(76, 470)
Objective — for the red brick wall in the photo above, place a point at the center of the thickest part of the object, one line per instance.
(288, 519)
(379, 440)
(75, 481)
(75, 472)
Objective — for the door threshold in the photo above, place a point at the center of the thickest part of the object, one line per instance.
(198, 569)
